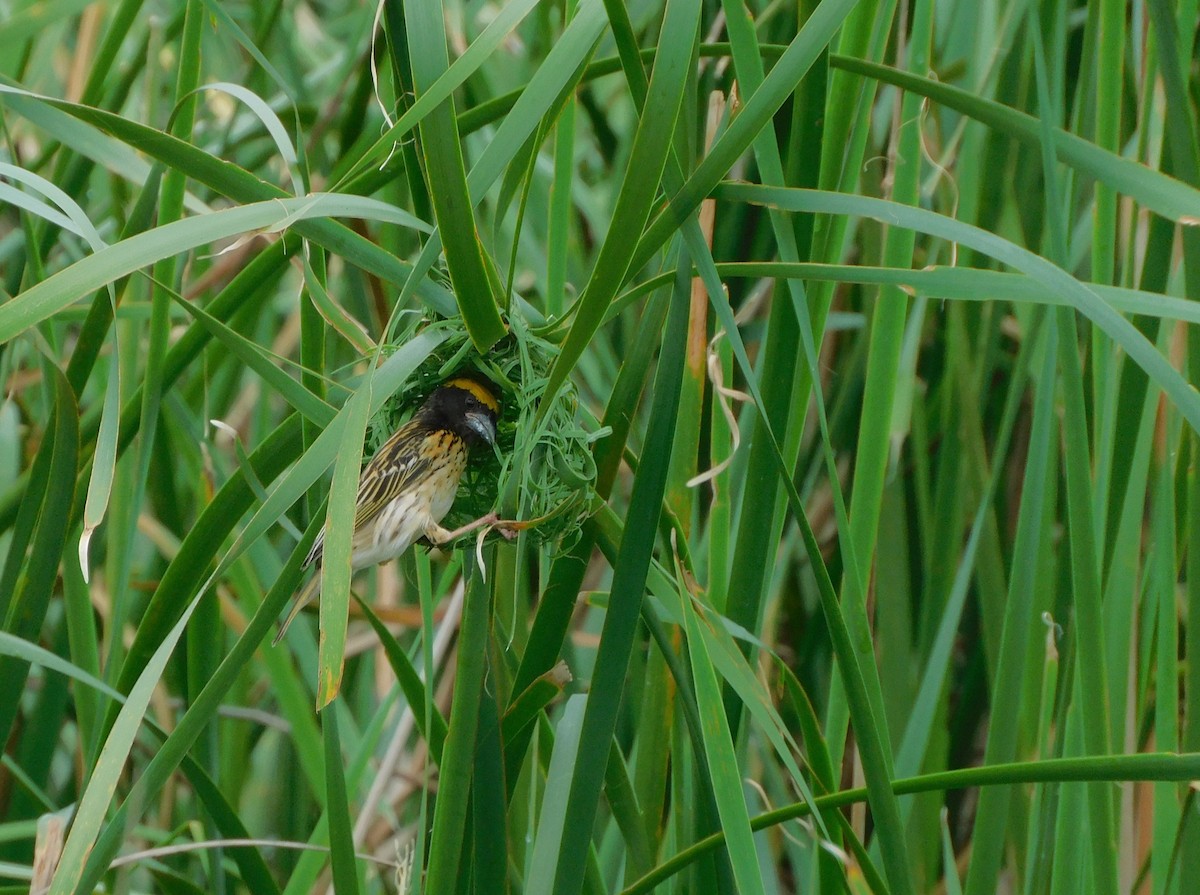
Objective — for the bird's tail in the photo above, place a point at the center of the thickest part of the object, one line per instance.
(302, 599)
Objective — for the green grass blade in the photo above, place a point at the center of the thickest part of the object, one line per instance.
(722, 760)
(204, 707)
(1164, 195)
(852, 647)
(29, 581)
(1075, 293)
(1168, 812)
(637, 192)
(433, 725)
(497, 30)
(1005, 698)
(753, 117)
(447, 855)
(336, 568)
(300, 398)
(447, 180)
(121, 259)
(621, 619)
(111, 762)
(551, 830)
(184, 575)
(1148, 767)
(341, 828)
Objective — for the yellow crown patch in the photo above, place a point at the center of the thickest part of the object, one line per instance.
(481, 393)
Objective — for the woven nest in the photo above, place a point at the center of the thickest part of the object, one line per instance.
(543, 478)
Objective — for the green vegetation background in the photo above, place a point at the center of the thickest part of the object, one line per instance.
(906, 284)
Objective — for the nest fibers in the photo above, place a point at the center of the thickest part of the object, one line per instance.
(542, 477)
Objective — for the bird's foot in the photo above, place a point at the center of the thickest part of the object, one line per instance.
(439, 535)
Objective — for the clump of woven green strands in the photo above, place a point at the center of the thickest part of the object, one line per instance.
(543, 476)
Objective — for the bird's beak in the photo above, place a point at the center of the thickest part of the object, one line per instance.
(483, 425)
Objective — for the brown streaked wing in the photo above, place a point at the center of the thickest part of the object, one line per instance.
(394, 467)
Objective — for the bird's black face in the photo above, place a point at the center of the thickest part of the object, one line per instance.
(466, 407)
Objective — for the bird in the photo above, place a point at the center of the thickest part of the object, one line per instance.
(409, 485)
